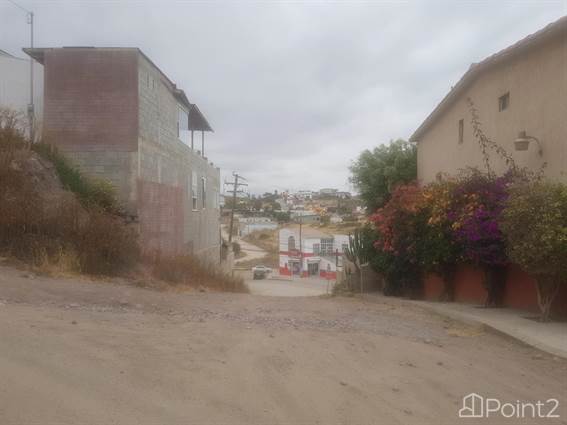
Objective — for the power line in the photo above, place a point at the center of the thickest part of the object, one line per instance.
(19, 6)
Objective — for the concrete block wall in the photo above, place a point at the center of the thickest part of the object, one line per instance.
(90, 113)
(114, 114)
(166, 163)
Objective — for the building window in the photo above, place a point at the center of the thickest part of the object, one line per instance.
(327, 246)
(183, 126)
(504, 102)
(291, 243)
(204, 192)
(461, 130)
(194, 189)
(215, 200)
(317, 249)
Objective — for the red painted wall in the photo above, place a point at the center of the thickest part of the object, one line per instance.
(432, 287)
(328, 275)
(520, 291)
(468, 285)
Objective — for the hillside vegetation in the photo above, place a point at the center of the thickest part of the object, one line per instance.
(57, 220)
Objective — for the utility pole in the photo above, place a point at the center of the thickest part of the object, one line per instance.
(31, 108)
(235, 185)
(300, 247)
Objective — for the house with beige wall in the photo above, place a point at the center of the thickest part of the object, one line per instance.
(522, 88)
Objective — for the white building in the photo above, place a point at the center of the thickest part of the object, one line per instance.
(304, 194)
(311, 253)
(15, 85)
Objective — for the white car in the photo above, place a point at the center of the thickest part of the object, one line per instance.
(260, 272)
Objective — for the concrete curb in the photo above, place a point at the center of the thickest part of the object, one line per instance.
(499, 328)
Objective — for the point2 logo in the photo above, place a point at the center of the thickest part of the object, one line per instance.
(477, 406)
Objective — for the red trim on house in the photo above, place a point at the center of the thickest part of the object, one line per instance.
(305, 254)
(328, 275)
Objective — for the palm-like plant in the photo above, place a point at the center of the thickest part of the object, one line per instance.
(359, 251)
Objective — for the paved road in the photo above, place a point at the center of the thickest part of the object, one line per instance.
(285, 287)
(252, 251)
(76, 352)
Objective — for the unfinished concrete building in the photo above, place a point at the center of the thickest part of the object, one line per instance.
(119, 117)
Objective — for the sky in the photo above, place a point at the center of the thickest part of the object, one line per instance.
(294, 90)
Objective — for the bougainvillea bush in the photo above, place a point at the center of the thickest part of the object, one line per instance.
(397, 225)
(475, 210)
(439, 250)
(477, 218)
(535, 224)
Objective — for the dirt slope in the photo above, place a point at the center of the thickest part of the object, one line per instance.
(74, 352)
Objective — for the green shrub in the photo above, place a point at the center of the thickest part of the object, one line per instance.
(535, 226)
(90, 191)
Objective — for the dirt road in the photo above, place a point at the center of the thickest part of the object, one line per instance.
(73, 352)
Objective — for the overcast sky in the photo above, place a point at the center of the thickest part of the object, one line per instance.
(294, 90)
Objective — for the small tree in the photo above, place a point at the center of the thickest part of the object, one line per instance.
(535, 225)
(399, 226)
(376, 173)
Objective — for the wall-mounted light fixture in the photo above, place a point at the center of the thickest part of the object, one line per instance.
(522, 142)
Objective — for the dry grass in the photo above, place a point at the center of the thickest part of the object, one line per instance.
(190, 271)
(47, 227)
(265, 239)
(269, 260)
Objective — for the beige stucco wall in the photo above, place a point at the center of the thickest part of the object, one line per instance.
(537, 83)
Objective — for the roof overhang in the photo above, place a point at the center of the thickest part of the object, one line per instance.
(197, 121)
(37, 54)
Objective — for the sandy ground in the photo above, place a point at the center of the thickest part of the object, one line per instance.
(76, 352)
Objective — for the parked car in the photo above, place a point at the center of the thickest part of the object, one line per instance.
(261, 272)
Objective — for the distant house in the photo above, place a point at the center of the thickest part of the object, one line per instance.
(520, 94)
(343, 195)
(328, 191)
(336, 219)
(304, 194)
(247, 225)
(119, 117)
(310, 252)
(305, 217)
(15, 85)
